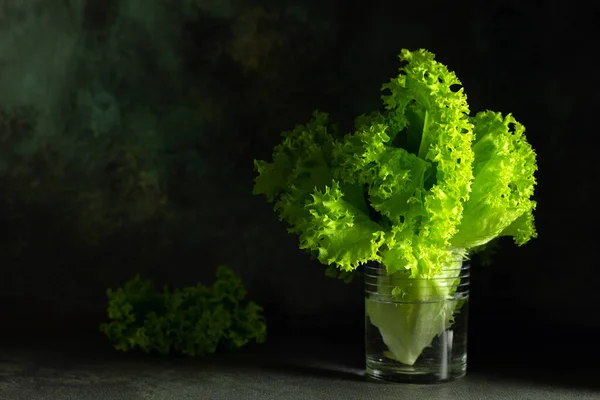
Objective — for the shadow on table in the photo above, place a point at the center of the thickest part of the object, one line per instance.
(560, 357)
(323, 371)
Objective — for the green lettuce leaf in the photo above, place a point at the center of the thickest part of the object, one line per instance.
(418, 195)
(332, 221)
(193, 321)
(340, 233)
(300, 164)
(500, 203)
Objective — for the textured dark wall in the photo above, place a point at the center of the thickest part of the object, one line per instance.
(127, 134)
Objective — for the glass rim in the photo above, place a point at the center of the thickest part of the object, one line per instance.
(380, 268)
(392, 285)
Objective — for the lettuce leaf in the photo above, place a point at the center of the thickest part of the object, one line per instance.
(417, 196)
(340, 233)
(193, 321)
(300, 164)
(500, 203)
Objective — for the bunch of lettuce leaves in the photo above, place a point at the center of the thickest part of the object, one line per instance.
(415, 186)
(193, 321)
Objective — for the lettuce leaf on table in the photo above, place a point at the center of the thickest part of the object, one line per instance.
(193, 321)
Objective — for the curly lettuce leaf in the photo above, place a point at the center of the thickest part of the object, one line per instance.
(300, 164)
(392, 176)
(421, 194)
(331, 220)
(500, 203)
(192, 321)
(338, 232)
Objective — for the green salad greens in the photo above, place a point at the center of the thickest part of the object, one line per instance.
(193, 321)
(415, 186)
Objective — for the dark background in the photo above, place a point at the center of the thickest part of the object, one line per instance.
(128, 130)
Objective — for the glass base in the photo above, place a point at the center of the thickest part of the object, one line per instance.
(382, 370)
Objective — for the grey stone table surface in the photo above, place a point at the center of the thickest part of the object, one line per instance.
(293, 368)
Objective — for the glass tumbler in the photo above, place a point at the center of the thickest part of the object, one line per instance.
(415, 328)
